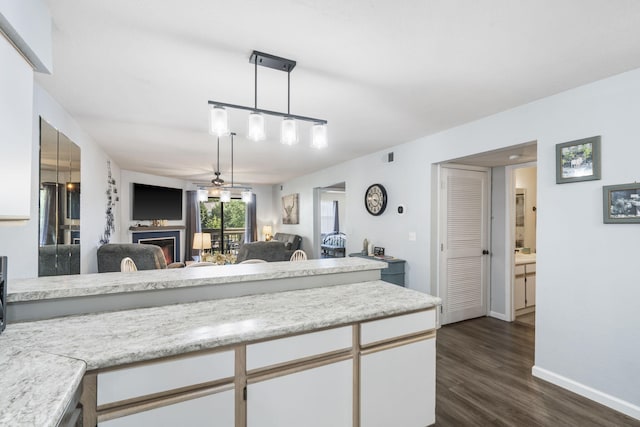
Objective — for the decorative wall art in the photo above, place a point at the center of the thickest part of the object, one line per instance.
(290, 209)
(621, 203)
(112, 198)
(578, 160)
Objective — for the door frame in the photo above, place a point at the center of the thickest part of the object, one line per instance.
(441, 213)
(510, 236)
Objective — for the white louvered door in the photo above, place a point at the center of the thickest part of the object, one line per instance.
(464, 236)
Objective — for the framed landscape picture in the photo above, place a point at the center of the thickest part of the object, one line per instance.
(621, 203)
(290, 209)
(578, 160)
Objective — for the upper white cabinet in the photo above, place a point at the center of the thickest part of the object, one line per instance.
(16, 126)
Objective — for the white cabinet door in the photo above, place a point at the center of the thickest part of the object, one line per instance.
(213, 410)
(519, 293)
(398, 386)
(317, 397)
(531, 289)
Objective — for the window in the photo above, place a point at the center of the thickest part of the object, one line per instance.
(225, 222)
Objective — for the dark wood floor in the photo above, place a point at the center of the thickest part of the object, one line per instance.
(484, 379)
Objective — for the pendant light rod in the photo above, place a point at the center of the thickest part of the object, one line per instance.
(268, 112)
(288, 92)
(255, 87)
(232, 135)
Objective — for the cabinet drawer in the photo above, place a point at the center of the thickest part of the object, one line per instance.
(215, 409)
(137, 381)
(393, 327)
(530, 268)
(297, 347)
(518, 269)
(394, 267)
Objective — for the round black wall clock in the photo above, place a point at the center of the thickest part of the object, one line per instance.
(375, 199)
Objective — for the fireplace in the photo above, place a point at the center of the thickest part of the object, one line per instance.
(169, 242)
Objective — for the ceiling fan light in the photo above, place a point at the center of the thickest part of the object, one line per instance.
(203, 195)
(319, 135)
(256, 127)
(289, 131)
(225, 196)
(247, 196)
(218, 121)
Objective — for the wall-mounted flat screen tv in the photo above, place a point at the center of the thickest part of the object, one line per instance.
(152, 202)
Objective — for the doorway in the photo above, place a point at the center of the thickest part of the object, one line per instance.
(329, 221)
(499, 288)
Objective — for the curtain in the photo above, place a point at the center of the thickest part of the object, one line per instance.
(250, 227)
(193, 224)
(336, 220)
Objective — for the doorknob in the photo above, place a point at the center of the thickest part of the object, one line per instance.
(485, 252)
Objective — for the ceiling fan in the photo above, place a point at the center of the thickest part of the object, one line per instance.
(218, 182)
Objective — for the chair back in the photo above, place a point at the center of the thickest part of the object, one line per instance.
(127, 265)
(252, 261)
(298, 255)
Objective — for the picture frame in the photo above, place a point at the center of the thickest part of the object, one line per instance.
(290, 209)
(621, 204)
(578, 160)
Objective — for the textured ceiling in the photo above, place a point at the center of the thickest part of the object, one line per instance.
(137, 75)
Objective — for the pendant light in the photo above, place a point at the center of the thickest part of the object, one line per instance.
(225, 196)
(218, 120)
(319, 135)
(256, 121)
(289, 131)
(247, 196)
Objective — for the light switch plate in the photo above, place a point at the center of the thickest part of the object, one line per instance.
(412, 236)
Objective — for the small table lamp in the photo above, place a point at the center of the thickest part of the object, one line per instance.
(201, 241)
(267, 231)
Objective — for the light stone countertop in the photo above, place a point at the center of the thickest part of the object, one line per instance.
(35, 387)
(110, 339)
(43, 361)
(43, 288)
(525, 258)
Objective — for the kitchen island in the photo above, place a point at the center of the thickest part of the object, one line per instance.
(325, 351)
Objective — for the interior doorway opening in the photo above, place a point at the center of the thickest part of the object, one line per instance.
(502, 225)
(330, 221)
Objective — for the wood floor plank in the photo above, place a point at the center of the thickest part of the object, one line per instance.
(484, 379)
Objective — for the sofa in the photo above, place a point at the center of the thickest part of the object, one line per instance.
(146, 257)
(68, 260)
(270, 251)
(292, 242)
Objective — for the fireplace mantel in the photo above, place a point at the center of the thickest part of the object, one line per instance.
(142, 229)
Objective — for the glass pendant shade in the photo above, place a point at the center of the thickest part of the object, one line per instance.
(203, 195)
(218, 121)
(256, 127)
(289, 131)
(319, 136)
(225, 196)
(247, 196)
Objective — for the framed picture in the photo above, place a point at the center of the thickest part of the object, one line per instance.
(621, 203)
(290, 209)
(578, 160)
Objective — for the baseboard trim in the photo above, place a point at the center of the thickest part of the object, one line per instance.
(498, 316)
(588, 392)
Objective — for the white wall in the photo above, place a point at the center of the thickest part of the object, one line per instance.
(20, 241)
(581, 262)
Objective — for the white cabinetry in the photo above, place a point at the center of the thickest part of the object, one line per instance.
(189, 390)
(398, 386)
(397, 371)
(212, 410)
(316, 397)
(524, 286)
(16, 125)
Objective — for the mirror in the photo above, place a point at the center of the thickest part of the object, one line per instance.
(59, 212)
